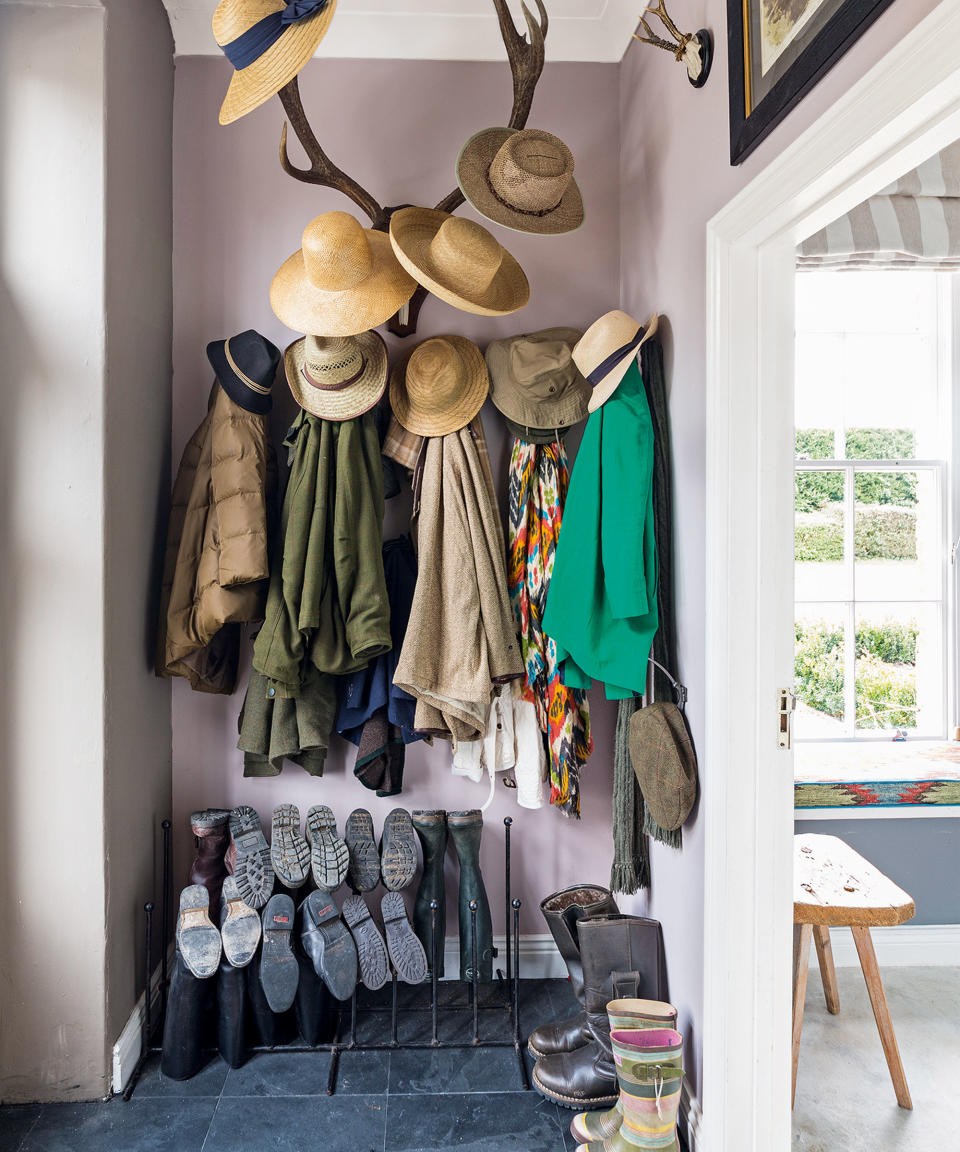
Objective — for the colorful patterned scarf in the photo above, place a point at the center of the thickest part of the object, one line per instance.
(539, 476)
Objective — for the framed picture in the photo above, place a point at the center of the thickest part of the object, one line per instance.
(778, 50)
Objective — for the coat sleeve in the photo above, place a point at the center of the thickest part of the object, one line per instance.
(239, 478)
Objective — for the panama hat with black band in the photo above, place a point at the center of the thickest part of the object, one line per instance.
(606, 350)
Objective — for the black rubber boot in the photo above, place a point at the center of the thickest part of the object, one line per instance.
(431, 829)
(187, 1001)
(314, 1006)
(270, 1029)
(465, 830)
(563, 911)
(232, 1013)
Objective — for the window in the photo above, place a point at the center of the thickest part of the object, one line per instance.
(872, 503)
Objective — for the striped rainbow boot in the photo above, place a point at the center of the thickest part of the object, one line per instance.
(624, 1015)
(650, 1074)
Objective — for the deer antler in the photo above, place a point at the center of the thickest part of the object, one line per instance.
(681, 39)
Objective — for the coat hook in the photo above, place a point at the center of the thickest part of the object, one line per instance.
(694, 49)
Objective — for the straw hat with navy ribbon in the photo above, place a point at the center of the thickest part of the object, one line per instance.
(267, 42)
(245, 366)
(606, 350)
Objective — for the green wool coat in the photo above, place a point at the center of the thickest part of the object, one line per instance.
(602, 600)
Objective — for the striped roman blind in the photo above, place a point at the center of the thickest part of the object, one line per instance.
(912, 223)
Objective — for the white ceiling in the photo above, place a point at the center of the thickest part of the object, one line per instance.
(438, 29)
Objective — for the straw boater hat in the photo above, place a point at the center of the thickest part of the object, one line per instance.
(439, 387)
(534, 381)
(607, 351)
(337, 377)
(343, 281)
(459, 261)
(245, 365)
(267, 42)
(522, 179)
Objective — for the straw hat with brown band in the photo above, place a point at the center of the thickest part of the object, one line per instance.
(459, 261)
(337, 377)
(607, 349)
(343, 281)
(522, 179)
(439, 387)
(267, 42)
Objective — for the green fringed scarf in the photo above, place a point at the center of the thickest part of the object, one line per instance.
(631, 860)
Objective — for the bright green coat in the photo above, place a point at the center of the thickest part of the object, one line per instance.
(602, 601)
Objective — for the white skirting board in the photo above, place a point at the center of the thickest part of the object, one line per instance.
(539, 958)
(126, 1051)
(904, 946)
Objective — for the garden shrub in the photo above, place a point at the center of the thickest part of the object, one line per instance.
(885, 533)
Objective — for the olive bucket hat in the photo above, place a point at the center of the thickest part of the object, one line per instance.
(664, 760)
(534, 381)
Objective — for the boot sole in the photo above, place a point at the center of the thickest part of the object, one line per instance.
(371, 949)
(580, 1103)
(406, 951)
(398, 850)
(337, 962)
(279, 970)
(329, 857)
(364, 869)
(252, 868)
(197, 936)
(289, 851)
(240, 929)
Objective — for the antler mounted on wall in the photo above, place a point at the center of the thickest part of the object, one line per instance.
(526, 63)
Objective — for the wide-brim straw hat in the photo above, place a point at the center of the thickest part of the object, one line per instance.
(278, 63)
(459, 261)
(607, 350)
(439, 387)
(344, 280)
(339, 377)
(522, 179)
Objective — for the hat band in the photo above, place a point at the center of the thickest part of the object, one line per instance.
(237, 371)
(258, 38)
(514, 208)
(606, 366)
(335, 387)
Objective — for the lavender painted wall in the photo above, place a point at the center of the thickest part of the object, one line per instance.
(675, 175)
(397, 127)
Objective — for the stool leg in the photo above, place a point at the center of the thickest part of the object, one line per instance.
(828, 974)
(881, 1013)
(801, 965)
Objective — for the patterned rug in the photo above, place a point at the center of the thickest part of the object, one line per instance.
(878, 793)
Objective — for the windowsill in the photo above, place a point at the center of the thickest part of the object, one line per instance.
(874, 779)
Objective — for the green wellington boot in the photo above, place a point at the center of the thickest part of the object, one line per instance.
(465, 830)
(650, 1076)
(431, 829)
(623, 1015)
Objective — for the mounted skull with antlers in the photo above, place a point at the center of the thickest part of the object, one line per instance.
(526, 64)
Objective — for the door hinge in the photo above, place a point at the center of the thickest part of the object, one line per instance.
(788, 705)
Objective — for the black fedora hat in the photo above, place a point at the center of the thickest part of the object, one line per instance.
(245, 365)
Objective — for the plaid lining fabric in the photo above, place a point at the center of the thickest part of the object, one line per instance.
(404, 447)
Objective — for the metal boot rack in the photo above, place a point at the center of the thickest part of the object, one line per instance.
(509, 982)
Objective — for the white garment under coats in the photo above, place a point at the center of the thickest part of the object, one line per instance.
(513, 740)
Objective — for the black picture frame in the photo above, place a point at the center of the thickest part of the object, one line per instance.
(843, 29)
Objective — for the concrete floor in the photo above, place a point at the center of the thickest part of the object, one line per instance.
(845, 1101)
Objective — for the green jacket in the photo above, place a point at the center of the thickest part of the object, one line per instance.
(602, 600)
(327, 602)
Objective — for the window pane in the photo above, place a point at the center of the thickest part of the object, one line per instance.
(897, 545)
(814, 444)
(820, 573)
(881, 444)
(819, 671)
(899, 675)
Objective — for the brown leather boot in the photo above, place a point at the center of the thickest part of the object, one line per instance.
(212, 834)
(562, 912)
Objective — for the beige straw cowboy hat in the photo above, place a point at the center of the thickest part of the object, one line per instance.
(459, 261)
(337, 377)
(267, 42)
(522, 179)
(343, 281)
(439, 387)
(607, 350)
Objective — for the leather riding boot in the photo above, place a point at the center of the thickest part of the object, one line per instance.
(465, 830)
(431, 828)
(232, 1013)
(562, 912)
(187, 1000)
(314, 1005)
(622, 957)
(211, 831)
(271, 1028)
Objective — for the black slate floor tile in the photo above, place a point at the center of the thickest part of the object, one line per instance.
(455, 1071)
(167, 1125)
(16, 1120)
(280, 1073)
(474, 1123)
(207, 1082)
(333, 1124)
(363, 1073)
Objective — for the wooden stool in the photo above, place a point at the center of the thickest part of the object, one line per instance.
(833, 886)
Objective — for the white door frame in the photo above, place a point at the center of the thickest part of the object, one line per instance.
(904, 109)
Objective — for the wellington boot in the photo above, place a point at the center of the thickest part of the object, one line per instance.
(465, 831)
(232, 1014)
(211, 831)
(431, 829)
(270, 1028)
(314, 1007)
(562, 912)
(188, 999)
